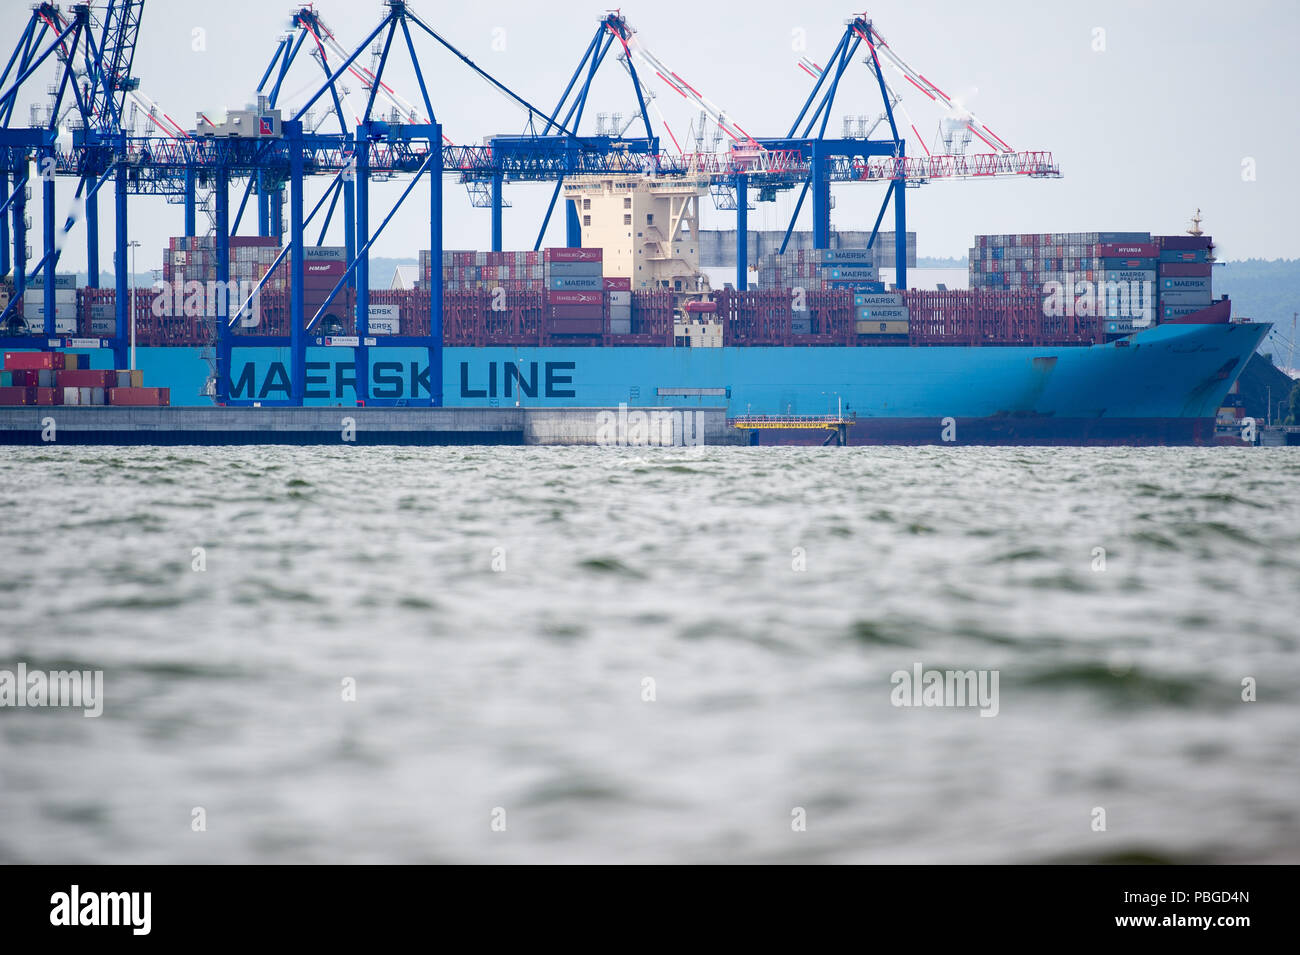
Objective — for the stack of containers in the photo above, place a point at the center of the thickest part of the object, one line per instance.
(102, 318)
(848, 269)
(1017, 261)
(618, 295)
(575, 291)
(28, 377)
(880, 313)
(322, 267)
(818, 269)
(65, 306)
(193, 258)
(1128, 263)
(1069, 258)
(464, 271)
(1185, 281)
(56, 378)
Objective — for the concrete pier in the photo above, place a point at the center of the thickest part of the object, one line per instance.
(616, 427)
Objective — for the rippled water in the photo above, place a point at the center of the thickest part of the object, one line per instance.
(500, 611)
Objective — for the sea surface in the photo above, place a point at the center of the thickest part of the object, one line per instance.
(680, 655)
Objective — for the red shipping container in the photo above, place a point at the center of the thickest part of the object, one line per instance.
(1119, 250)
(33, 359)
(576, 326)
(584, 312)
(617, 284)
(13, 395)
(45, 396)
(1200, 270)
(575, 255)
(76, 378)
(145, 397)
(576, 298)
(314, 267)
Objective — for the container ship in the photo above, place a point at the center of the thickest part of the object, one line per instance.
(1061, 338)
(1064, 338)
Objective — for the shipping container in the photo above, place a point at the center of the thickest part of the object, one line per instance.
(881, 314)
(1121, 250)
(1128, 275)
(577, 298)
(886, 300)
(575, 326)
(1184, 242)
(561, 283)
(567, 269)
(574, 255)
(882, 327)
(1110, 263)
(1184, 255)
(75, 378)
(34, 359)
(384, 320)
(1184, 284)
(1187, 269)
(869, 288)
(846, 256)
(36, 308)
(1201, 299)
(596, 312)
(1179, 311)
(148, 397)
(334, 270)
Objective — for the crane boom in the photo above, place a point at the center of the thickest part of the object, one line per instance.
(111, 77)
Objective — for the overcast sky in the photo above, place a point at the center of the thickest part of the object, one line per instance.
(1151, 109)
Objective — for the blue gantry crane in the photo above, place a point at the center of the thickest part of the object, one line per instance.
(401, 138)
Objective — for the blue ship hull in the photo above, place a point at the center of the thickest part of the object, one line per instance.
(1162, 385)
